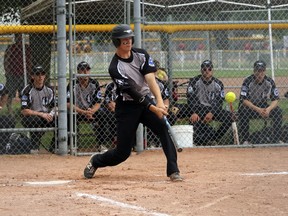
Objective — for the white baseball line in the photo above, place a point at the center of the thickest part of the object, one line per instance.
(265, 174)
(214, 202)
(120, 204)
(49, 182)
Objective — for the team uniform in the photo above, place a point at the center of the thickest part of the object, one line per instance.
(85, 98)
(106, 132)
(166, 95)
(6, 121)
(204, 97)
(41, 100)
(110, 93)
(258, 94)
(128, 74)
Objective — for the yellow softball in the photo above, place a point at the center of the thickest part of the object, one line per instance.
(230, 97)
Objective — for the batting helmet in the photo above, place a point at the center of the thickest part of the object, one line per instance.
(121, 31)
(207, 64)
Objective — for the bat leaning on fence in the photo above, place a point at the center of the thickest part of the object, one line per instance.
(172, 135)
(234, 126)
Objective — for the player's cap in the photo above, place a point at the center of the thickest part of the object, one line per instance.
(83, 65)
(38, 70)
(259, 65)
(207, 64)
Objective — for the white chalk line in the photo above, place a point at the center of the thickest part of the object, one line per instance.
(214, 202)
(265, 174)
(120, 204)
(58, 182)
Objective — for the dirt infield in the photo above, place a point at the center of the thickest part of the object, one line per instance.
(238, 181)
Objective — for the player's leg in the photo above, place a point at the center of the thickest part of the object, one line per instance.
(223, 116)
(158, 126)
(276, 115)
(244, 116)
(127, 116)
(34, 122)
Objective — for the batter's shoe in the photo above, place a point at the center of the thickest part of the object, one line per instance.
(89, 170)
(175, 177)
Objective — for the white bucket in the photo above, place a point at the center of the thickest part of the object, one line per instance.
(184, 135)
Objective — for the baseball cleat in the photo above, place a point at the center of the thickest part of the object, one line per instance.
(89, 170)
(175, 177)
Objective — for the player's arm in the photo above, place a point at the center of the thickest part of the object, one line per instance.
(3, 95)
(75, 107)
(249, 104)
(192, 99)
(272, 105)
(218, 100)
(3, 100)
(244, 96)
(128, 86)
(274, 96)
(109, 98)
(154, 88)
(95, 107)
(96, 98)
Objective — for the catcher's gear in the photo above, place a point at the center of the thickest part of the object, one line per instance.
(121, 31)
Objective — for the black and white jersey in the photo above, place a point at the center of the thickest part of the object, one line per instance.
(129, 73)
(110, 93)
(259, 93)
(163, 89)
(41, 100)
(3, 90)
(85, 98)
(205, 93)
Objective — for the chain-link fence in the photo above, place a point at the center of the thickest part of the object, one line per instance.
(180, 35)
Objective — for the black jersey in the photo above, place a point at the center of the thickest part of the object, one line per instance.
(129, 73)
(87, 97)
(41, 100)
(165, 94)
(258, 93)
(110, 93)
(205, 93)
(3, 90)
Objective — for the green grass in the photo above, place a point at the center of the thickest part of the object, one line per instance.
(225, 73)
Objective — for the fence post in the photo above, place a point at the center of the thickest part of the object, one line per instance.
(61, 67)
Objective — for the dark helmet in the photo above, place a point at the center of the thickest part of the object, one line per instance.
(207, 64)
(83, 65)
(38, 70)
(121, 31)
(259, 65)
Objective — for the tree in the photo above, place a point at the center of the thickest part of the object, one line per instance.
(10, 10)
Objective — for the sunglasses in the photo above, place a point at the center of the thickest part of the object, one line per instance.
(40, 74)
(260, 71)
(207, 69)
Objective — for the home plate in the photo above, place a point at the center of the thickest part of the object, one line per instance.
(59, 182)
